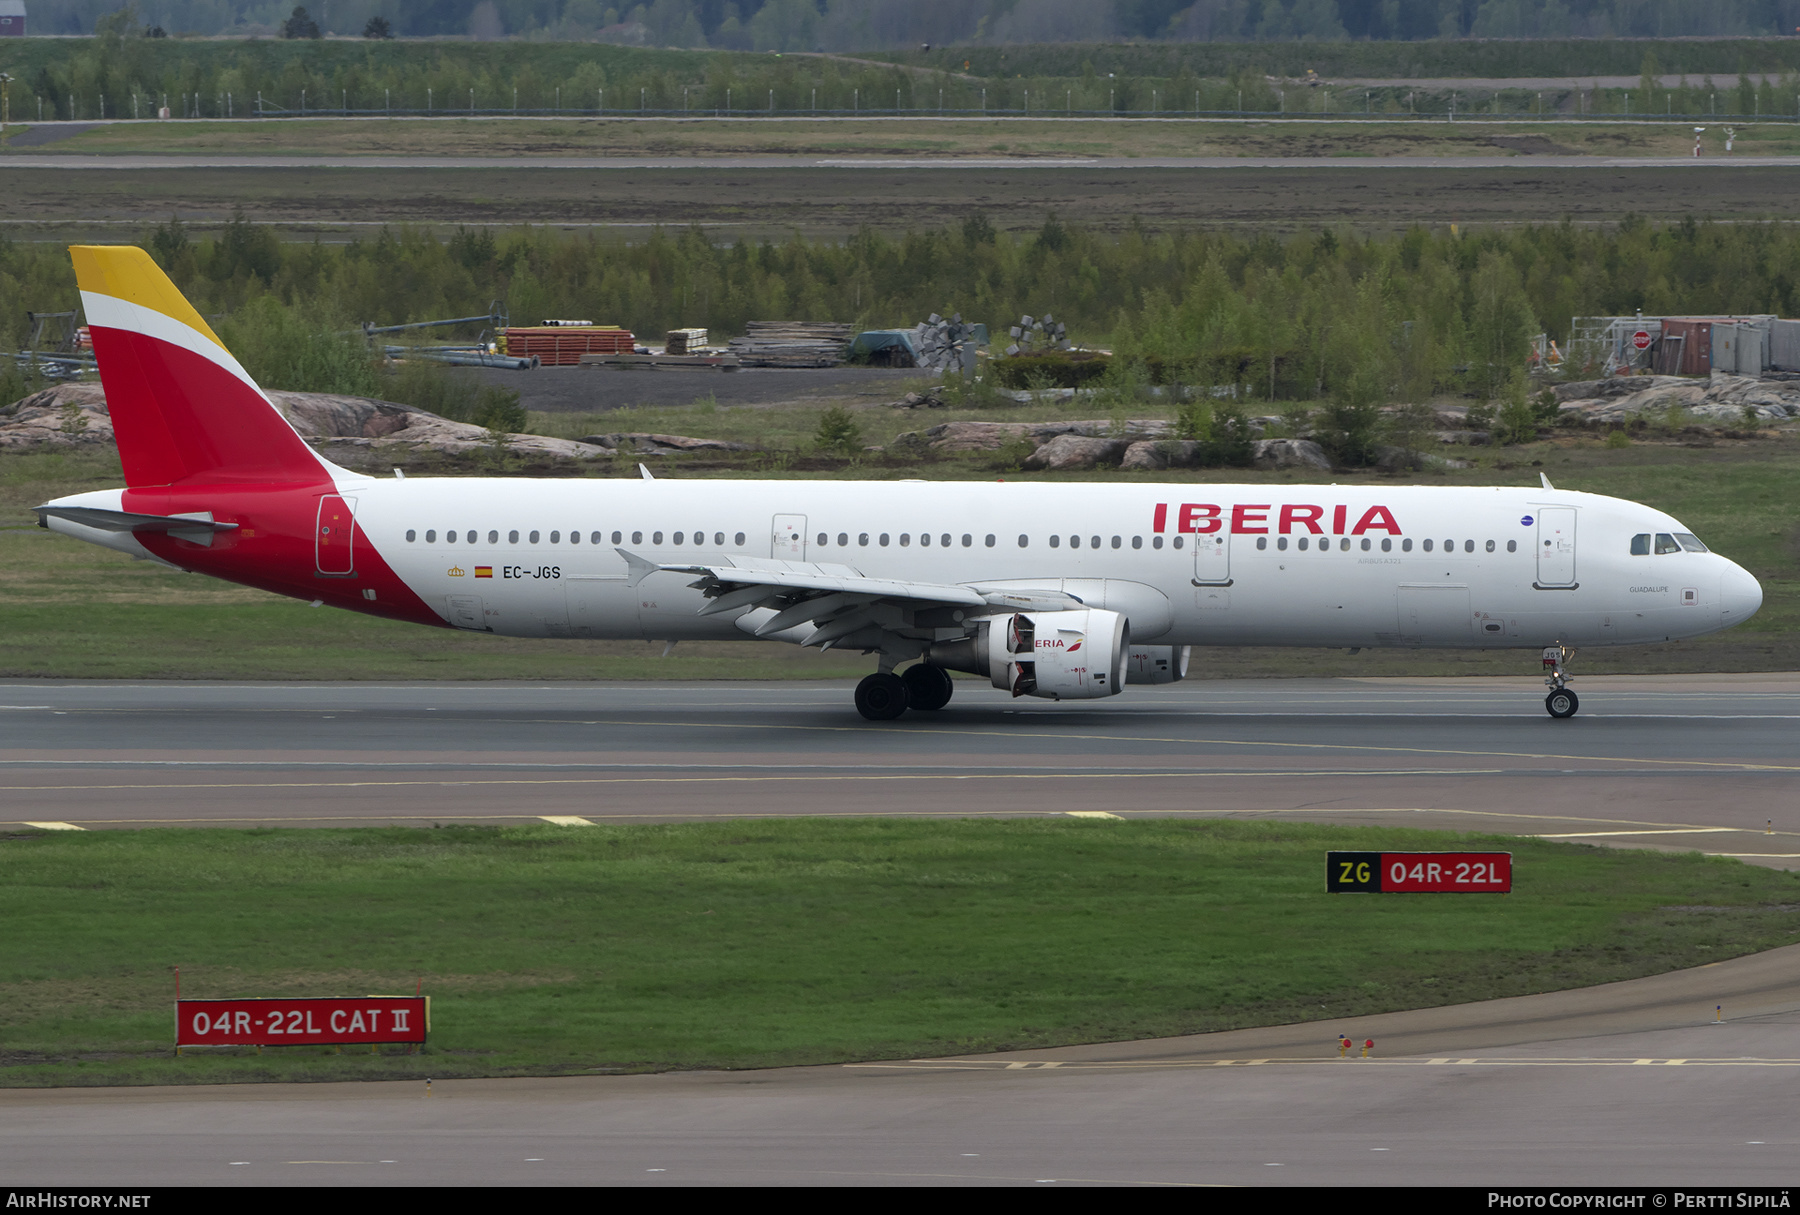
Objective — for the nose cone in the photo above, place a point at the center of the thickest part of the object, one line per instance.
(1740, 595)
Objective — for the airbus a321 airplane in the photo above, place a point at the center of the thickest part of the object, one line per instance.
(1062, 591)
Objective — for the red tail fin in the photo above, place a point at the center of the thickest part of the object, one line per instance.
(183, 409)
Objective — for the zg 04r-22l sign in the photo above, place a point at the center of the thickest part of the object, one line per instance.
(1418, 872)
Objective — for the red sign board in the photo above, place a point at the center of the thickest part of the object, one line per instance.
(1641, 339)
(1419, 872)
(369, 1020)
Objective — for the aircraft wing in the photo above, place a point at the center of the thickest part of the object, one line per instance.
(837, 599)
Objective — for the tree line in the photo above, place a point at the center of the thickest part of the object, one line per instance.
(1330, 314)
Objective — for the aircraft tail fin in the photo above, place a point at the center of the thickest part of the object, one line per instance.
(183, 409)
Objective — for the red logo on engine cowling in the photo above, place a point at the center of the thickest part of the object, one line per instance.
(1253, 519)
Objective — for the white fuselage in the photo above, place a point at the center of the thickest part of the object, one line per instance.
(1189, 564)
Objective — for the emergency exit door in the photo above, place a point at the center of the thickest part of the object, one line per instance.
(1212, 559)
(787, 541)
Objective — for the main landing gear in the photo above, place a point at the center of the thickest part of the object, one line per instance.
(885, 696)
(1562, 701)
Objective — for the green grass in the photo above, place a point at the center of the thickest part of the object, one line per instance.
(774, 942)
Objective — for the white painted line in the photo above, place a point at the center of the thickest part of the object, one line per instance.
(1089, 814)
(56, 826)
(566, 820)
(1575, 835)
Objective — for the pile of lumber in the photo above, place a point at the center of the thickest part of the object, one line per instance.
(563, 345)
(792, 343)
(685, 341)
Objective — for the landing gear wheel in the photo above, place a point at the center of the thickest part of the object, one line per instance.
(881, 697)
(927, 687)
(1562, 702)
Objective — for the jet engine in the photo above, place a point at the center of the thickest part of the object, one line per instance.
(1061, 655)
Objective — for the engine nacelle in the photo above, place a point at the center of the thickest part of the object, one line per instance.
(1156, 663)
(1070, 655)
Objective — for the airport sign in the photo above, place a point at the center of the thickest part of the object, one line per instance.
(1418, 872)
(309, 1022)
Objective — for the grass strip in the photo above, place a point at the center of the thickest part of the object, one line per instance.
(552, 950)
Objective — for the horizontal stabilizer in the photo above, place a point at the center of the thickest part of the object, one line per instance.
(197, 527)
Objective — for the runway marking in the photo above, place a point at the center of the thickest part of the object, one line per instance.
(566, 820)
(55, 826)
(1089, 814)
(1576, 835)
(1013, 735)
(1066, 1065)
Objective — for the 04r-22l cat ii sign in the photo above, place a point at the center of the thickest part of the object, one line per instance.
(1418, 873)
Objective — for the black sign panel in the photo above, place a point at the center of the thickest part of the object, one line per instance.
(1353, 871)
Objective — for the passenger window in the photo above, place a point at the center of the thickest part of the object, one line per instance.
(1665, 543)
(1367, 544)
(1281, 543)
(493, 537)
(637, 537)
(1055, 541)
(924, 539)
(534, 537)
(556, 538)
(884, 539)
(431, 537)
(450, 537)
(1024, 541)
(1427, 546)
(596, 538)
(1074, 541)
(1175, 542)
(411, 535)
(1387, 545)
(1094, 542)
(1117, 542)
(1468, 546)
(676, 537)
(1449, 546)
(944, 539)
(1262, 542)
(1690, 542)
(655, 537)
(843, 539)
(990, 540)
(969, 541)
(1512, 546)
(618, 537)
(1344, 544)
(905, 539)
(1490, 546)
(1137, 542)
(1301, 543)
(863, 539)
(739, 541)
(1156, 542)
(718, 539)
(821, 539)
(512, 537)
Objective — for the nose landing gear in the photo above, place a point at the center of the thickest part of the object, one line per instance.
(1562, 701)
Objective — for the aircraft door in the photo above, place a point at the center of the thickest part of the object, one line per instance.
(1212, 559)
(787, 541)
(1556, 546)
(334, 537)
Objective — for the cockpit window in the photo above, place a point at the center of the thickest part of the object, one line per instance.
(1665, 543)
(1690, 542)
(1640, 545)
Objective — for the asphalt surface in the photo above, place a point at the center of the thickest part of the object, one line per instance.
(1628, 1084)
(1681, 762)
(808, 161)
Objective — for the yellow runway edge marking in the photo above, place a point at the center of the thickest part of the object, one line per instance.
(567, 820)
(56, 826)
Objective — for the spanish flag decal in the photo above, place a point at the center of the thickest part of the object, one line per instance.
(484, 571)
